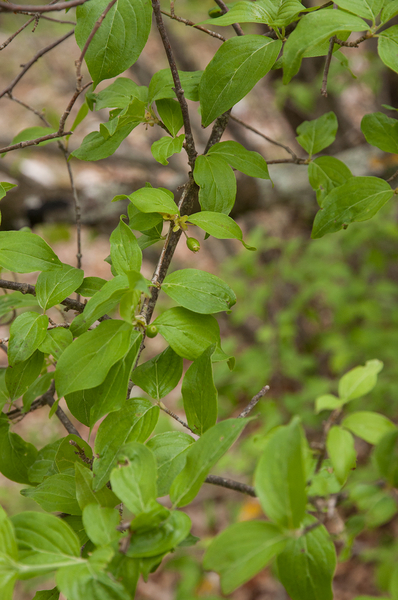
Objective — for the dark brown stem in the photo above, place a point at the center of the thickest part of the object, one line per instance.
(27, 288)
(219, 127)
(189, 141)
(238, 29)
(36, 57)
(26, 144)
(14, 35)
(231, 485)
(70, 428)
(393, 176)
(173, 415)
(246, 411)
(356, 43)
(192, 24)
(17, 413)
(23, 8)
(324, 90)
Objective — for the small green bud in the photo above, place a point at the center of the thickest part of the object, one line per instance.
(193, 244)
(152, 331)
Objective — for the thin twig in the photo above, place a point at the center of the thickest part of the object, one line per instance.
(192, 24)
(356, 43)
(27, 143)
(27, 288)
(324, 90)
(246, 411)
(32, 61)
(28, 107)
(21, 8)
(218, 129)
(17, 413)
(189, 143)
(231, 485)
(14, 35)
(392, 177)
(224, 8)
(58, 20)
(70, 428)
(334, 415)
(265, 137)
(81, 453)
(174, 416)
(281, 161)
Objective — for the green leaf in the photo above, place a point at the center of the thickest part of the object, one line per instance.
(20, 377)
(134, 479)
(360, 380)
(100, 523)
(340, 447)
(120, 39)
(327, 402)
(45, 542)
(159, 375)
(56, 341)
(280, 477)
(359, 199)
(126, 570)
(381, 131)
(307, 564)
(219, 226)
(84, 490)
(241, 551)
(171, 114)
(246, 161)
(200, 394)
(5, 187)
(88, 406)
(44, 464)
(47, 595)
(160, 539)
(149, 200)
(316, 135)
(389, 11)
(132, 114)
(126, 254)
(27, 332)
(386, 456)
(233, 71)
(188, 333)
(88, 581)
(54, 286)
(25, 252)
(96, 147)
(217, 183)
(102, 302)
(199, 291)
(313, 29)
(144, 222)
(368, 9)
(162, 85)
(275, 13)
(134, 422)
(170, 450)
(56, 493)
(14, 300)
(37, 389)
(388, 47)
(8, 556)
(325, 173)
(16, 455)
(202, 456)
(165, 147)
(86, 362)
(369, 426)
(90, 286)
(120, 93)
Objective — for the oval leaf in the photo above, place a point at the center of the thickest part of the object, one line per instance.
(54, 286)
